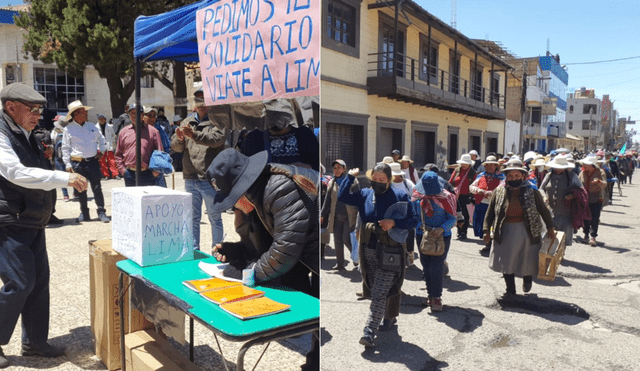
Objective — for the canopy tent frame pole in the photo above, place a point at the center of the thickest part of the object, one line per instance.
(138, 122)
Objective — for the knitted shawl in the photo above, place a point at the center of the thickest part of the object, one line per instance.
(531, 215)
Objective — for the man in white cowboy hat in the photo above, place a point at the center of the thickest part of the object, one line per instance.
(83, 145)
(408, 169)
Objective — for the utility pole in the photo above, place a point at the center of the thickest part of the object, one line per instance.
(590, 127)
(523, 105)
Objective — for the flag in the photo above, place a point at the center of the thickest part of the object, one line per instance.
(624, 148)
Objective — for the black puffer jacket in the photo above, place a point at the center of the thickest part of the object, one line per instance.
(283, 230)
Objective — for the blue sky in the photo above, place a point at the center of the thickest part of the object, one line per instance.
(579, 31)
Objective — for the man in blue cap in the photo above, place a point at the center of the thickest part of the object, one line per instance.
(26, 201)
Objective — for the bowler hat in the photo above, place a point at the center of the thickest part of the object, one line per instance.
(231, 173)
(514, 164)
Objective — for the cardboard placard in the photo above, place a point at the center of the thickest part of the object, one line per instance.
(152, 225)
(259, 49)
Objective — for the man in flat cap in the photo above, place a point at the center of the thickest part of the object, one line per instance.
(26, 200)
(83, 145)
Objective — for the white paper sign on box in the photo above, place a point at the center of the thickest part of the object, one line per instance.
(152, 225)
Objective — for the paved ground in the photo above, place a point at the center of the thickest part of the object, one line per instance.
(70, 310)
(587, 319)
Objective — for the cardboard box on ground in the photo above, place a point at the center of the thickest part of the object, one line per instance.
(148, 351)
(152, 225)
(105, 320)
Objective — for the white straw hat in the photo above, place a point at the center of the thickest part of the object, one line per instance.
(540, 161)
(387, 160)
(465, 159)
(559, 162)
(406, 158)
(74, 106)
(395, 169)
(589, 160)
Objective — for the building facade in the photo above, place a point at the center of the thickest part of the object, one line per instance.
(396, 77)
(584, 118)
(59, 87)
(557, 80)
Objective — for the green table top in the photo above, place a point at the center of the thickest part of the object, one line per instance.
(169, 277)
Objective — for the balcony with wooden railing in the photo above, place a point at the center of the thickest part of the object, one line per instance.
(426, 85)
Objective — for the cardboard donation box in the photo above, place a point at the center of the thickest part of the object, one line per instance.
(105, 315)
(148, 351)
(550, 256)
(152, 225)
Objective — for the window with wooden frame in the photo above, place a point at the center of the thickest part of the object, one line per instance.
(342, 26)
(429, 59)
(387, 46)
(495, 89)
(454, 72)
(475, 89)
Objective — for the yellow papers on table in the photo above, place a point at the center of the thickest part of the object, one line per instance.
(254, 308)
(231, 294)
(208, 284)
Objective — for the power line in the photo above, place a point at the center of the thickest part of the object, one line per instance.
(606, 61)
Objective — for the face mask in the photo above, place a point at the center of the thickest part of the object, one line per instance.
(540, 168)
(379, 188)
(514, 183)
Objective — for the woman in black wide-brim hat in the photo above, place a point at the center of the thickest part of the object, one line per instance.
(387, 215)
(514, 220)
(277, 218)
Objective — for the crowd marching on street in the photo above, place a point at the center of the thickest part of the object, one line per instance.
(510, 203)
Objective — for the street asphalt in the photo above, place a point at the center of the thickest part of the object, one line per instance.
(588, 318)
(70, 319)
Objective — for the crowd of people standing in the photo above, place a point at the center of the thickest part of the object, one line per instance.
(262, 185)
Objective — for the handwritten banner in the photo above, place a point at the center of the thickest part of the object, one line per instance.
(253, 50)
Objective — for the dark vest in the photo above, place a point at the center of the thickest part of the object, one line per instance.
(18, 205)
